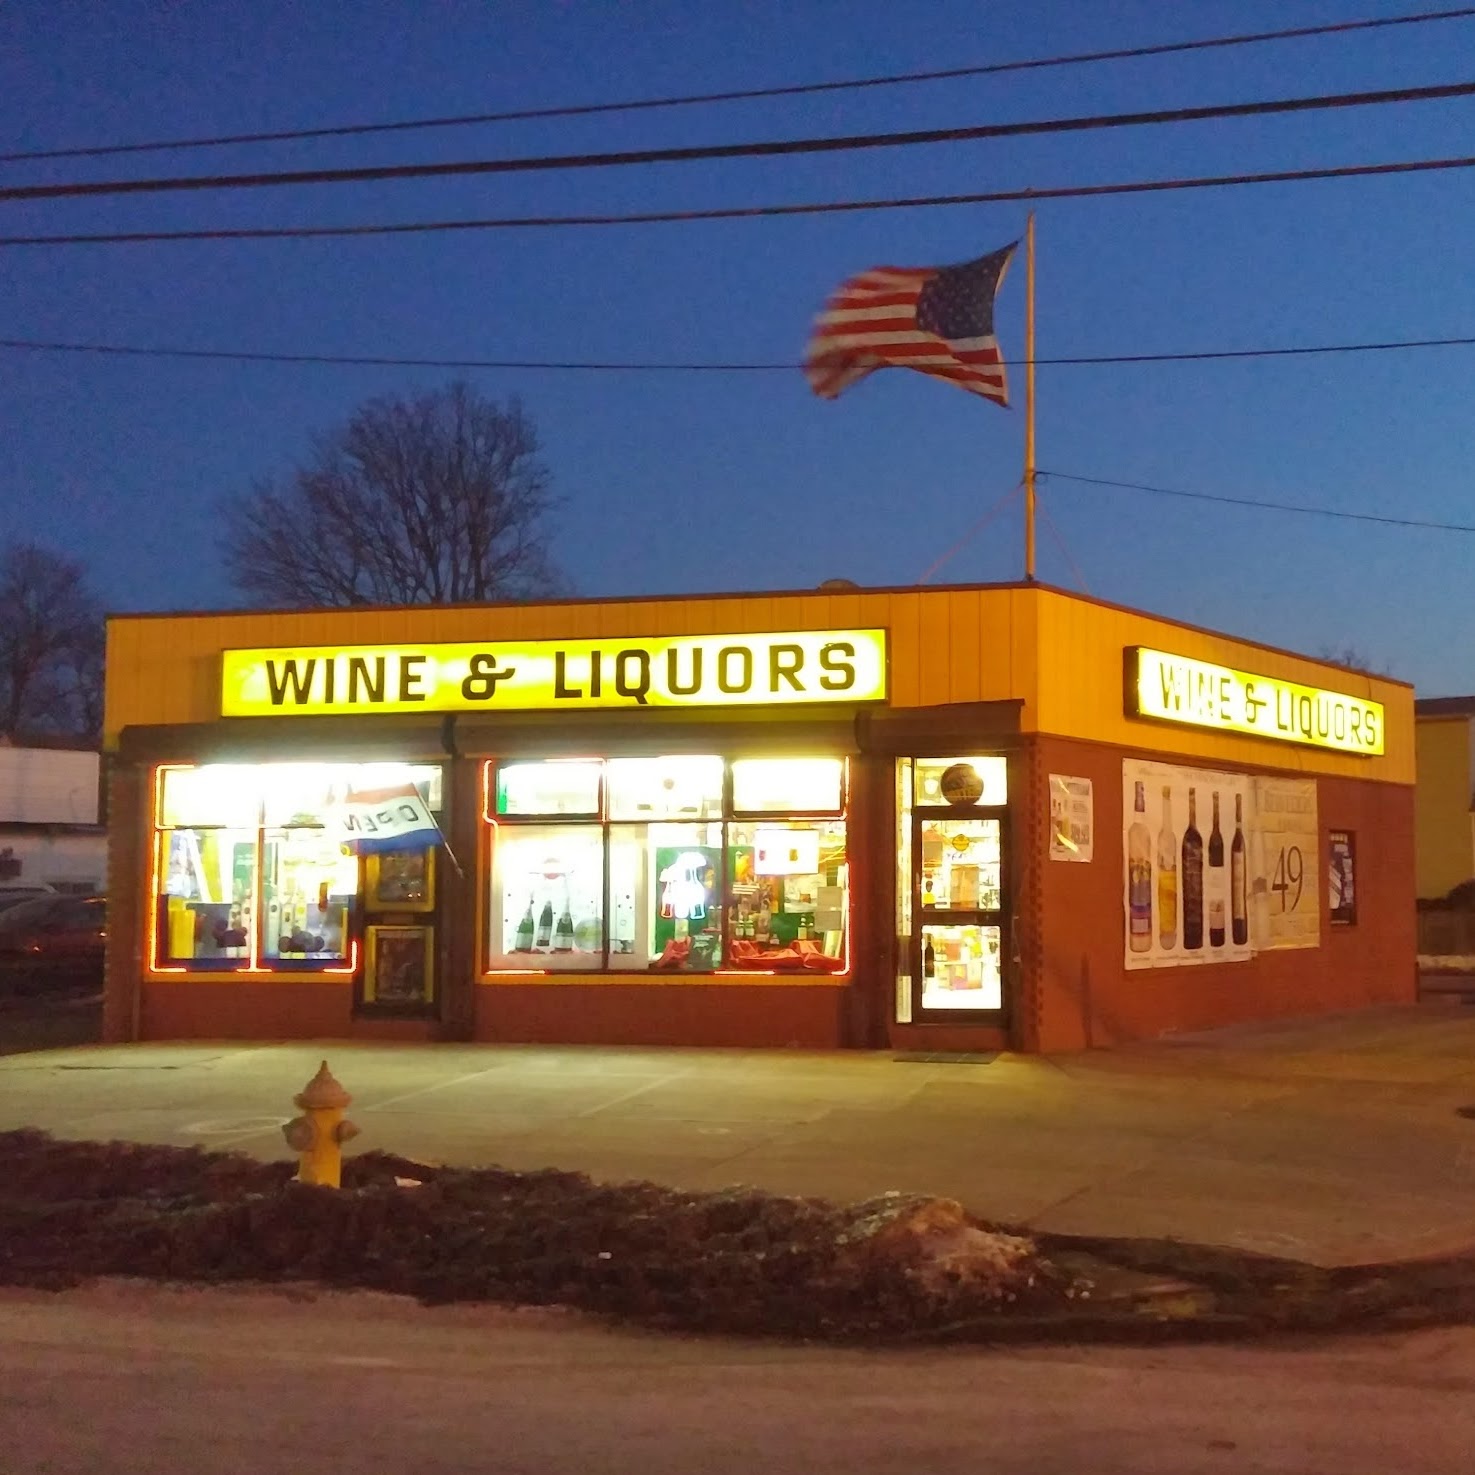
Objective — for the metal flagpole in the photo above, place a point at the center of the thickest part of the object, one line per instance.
(1029, 398)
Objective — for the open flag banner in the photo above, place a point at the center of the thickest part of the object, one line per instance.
(938, 320)
(372, 821)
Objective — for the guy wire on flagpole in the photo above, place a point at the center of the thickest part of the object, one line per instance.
(1029, 397)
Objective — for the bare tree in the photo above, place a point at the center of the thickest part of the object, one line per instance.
(51, 645)
(432, 500)
(1350, 657)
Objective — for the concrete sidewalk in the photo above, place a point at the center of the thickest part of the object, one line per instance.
(1335, 1141)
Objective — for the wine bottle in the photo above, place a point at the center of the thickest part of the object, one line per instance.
(1167, 877)
(929, 960)
(545, 925)
(563, 932)
(1217, 890)
(1193, 880)
(523, 943)
(1139, 876)
(1238, 910)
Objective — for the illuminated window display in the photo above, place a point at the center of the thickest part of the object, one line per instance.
(247, 874)
(665, 788)
(667, 881)
(960, 864)
(960, 968)
(787, 785)
(549, 911)
(788, 884)
(549, 788)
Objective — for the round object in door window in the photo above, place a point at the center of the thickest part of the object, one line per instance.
(961, 785)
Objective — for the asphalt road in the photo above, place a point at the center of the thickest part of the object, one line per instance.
(124, 1378)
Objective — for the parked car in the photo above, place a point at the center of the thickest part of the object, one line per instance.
(53, 945)
(12, 893)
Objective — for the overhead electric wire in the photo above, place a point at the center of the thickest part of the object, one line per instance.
(744, 212)
(976, 527)
(773, 148)
(1055, 533)
(895, 79)
(373, 361)
(1137, 486)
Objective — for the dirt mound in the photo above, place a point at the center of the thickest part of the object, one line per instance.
(738, 1260)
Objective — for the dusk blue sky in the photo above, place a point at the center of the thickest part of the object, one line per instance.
(726, 481)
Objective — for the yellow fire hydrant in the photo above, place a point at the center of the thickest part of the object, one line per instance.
(319, 1133)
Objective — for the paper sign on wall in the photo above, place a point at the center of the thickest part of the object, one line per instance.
(1287, 884)
(1072, 818)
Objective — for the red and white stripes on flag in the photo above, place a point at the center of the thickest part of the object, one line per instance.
(937, 320)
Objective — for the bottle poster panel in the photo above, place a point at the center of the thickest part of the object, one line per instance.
(1286, 886)
(1187, 857)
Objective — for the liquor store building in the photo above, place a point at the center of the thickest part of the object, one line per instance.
(948, 819)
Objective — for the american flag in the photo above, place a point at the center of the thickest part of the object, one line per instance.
(936, 319)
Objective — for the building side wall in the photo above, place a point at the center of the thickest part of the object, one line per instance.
(1446, 855)
(1084, 995)
(1081, 692)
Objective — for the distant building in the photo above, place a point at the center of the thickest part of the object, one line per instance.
(50, 829)
(1444, 735)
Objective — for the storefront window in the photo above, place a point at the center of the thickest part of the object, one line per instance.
(548, 911)
(208, 882)
(787, 785)
(666, 897)
(682, 787)
(788, 887)
(665, 882)
(219, 795)
(247, 872)
(962, 783)
(549, 788)
(960, 865)
(309, 890)
(960, 967)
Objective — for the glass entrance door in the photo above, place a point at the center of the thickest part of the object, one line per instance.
(952, 842)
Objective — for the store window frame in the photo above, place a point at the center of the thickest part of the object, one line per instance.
(729, 816)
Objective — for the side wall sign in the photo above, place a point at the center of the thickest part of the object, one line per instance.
(537, 675)
(1180, 689)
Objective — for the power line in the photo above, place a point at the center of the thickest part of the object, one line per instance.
(775, 148)
(351, 130)
(976, 527)
(118, 350)
(745, 212)
(1137, 486)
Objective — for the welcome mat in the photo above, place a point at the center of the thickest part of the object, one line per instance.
(947, 1057)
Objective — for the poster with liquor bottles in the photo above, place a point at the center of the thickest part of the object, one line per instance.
(1186, 863)
(1285, 890)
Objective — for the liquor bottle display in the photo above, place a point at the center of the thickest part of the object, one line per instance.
(1216, 893)
(1139, 876)
(1239, 916)
(1167, 877)
(1193, 879)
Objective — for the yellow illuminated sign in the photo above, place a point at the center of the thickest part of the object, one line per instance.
(540, 675)
(1180, 689)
